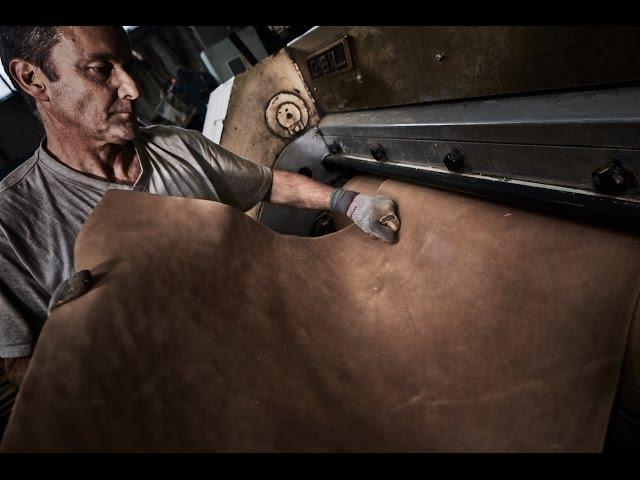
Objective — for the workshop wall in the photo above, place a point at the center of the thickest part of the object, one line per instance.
(160, 51)
(223, 54)
(20, 132)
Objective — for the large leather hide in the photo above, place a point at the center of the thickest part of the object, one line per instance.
(485, 328)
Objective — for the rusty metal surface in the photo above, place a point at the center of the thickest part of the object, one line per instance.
(245, 128)
(405, 65)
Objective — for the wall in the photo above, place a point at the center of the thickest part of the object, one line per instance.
(20, 132)
(163, 50)
(223, 51)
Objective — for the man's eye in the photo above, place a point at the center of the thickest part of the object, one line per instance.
(102, 70)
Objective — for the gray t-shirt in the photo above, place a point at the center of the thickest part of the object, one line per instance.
(44, 203)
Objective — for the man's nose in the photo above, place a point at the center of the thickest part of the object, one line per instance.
(128, 89)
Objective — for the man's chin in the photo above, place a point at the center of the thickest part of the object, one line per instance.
(125, 134)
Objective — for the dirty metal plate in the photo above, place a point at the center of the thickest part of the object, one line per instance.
(304, 156)
(405, 65)
(245, 130)
(604, 118)
(553, 165)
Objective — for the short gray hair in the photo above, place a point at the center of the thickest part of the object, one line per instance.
(30, 43)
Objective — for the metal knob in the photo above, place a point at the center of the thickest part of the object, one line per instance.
(334, 147)
(378, 152)
(610, 179)
(454, 161)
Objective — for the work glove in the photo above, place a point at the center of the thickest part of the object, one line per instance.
(76, 285)
(374, 214)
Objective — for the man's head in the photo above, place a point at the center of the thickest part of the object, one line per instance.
(78, 78)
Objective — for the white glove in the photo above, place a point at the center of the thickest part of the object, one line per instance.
(375, 215)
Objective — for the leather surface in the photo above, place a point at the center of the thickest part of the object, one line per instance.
(629, 390)
(485, 328)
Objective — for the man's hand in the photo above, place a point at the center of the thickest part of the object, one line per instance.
(73, 287)
(16, 368)
(375, 215)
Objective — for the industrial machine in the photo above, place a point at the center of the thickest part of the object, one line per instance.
(546, 118)
(506, 318)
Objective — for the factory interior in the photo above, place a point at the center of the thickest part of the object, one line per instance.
(501, 313)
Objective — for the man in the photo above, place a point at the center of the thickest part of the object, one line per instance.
(78, 81)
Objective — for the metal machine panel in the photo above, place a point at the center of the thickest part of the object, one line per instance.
(566, 166)
(576, 153)
(404, 65)
(303, 155)
(241, 124)
(603, 118)
(617, 211)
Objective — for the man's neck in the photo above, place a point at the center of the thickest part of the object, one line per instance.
(106, 161)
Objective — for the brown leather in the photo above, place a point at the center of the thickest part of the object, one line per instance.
(629, 392)
(485, 328)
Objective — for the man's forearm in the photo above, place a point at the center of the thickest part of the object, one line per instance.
(374, 214)
(296, 190)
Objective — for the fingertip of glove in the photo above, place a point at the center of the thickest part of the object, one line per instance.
(388, 237)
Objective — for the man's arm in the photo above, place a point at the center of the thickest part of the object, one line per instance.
(242, 183)
(296, 190)
(375, 214)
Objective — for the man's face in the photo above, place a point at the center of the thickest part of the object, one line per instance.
(94, 96)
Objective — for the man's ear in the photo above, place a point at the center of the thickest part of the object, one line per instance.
(30, 78)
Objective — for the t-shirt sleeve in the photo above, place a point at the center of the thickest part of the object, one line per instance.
(16, 283)
(239, 182)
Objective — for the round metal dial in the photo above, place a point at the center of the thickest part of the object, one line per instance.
(287, 115)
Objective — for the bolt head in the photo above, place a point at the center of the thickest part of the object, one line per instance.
(454, 161)
(378, 152)
(334, 147)
(611, 179)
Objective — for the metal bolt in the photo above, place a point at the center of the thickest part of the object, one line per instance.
(440, 56)
(454, 160)
(378, 152)
(611, 178)
(334, 147)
